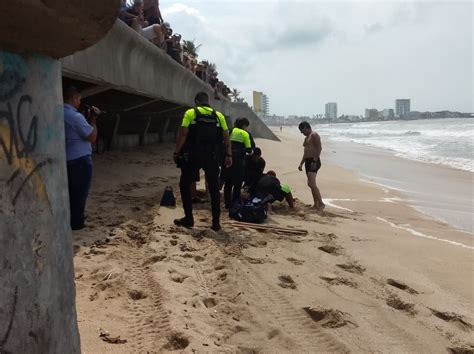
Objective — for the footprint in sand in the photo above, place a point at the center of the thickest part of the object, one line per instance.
(286, 281)
(154, 259)
(209, 302)
(464, 349)
(401, 286)
(395, 302)
(257, 260)
(458, 320)
(176, 276)
(137, 294)
(176, 341)
(329, 318)
(222, 276)
(340, 281)
(333, 250)
(295, 261)
(352, 267)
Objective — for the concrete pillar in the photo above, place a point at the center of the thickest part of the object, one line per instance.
(37, 310)
(144, 131)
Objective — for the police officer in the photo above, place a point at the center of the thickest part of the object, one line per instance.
(234, 176)
(202, 141)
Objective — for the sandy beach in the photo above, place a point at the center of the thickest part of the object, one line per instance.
(372, 274)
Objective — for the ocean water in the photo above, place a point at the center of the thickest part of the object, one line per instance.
(447, 142)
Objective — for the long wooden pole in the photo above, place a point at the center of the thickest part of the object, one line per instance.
(267, 227)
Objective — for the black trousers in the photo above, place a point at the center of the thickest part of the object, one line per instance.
(233, 179)
(188, 177)
(79, 174)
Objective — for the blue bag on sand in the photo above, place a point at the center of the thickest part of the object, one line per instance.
(168, 198)
(252, 210)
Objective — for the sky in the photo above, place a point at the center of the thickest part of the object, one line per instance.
(360, 54)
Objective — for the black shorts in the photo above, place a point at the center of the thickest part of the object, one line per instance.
(311, 165)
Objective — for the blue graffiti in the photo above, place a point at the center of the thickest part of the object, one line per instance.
(13, 73)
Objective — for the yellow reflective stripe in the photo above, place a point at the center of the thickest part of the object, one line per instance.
(285, 188)
(190, 117)
(241, 136)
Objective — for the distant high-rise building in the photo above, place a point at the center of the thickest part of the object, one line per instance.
(388, 113)
(265, 105)
(261, 104)
(331, 110)
(372, 114)
(257, 102)
(402, 107)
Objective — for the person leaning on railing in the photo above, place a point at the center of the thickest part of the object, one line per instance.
(133, 16)
(151, 9)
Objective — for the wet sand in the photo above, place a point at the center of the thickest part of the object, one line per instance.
(372, 274)
(439, 191)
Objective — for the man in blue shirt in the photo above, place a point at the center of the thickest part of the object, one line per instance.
(80, 133)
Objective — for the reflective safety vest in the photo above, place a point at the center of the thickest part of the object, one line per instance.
(240, 140)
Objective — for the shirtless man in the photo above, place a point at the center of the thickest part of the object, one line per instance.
(312, 162)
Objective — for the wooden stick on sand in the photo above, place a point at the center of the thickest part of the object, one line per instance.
(274, 228)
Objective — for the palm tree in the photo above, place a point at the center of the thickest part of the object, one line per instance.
(191, 48)
(235, 94)
(212, 67)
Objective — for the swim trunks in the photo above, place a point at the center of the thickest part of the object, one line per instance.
(312, 165)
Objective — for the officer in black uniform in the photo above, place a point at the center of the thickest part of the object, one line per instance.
(202, 142)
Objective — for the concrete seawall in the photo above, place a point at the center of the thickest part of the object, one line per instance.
(126, 74)
(37, 313)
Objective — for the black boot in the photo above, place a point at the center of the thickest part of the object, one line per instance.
(216, 226)
(184, 222)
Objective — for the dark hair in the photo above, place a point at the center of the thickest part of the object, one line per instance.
(241, 122)
(201, 98)
(257, 151)
(304, 125)
(69, 92)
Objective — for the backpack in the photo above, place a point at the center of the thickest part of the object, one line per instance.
(253, 210)
(208, 134)
(168, 198)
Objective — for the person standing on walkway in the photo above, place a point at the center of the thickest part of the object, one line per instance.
(312, 161)
(80, 134)
(202, 140)
(234, 176)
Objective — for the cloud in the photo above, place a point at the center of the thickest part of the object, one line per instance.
(373, 28)
(316, 52)
(185, 9)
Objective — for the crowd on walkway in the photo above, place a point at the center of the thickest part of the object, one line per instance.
(145, 17)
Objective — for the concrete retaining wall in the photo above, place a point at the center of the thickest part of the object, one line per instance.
(125, 61)
(37, 311)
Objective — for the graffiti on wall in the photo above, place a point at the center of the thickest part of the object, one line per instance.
(6, 335)
(19, 129)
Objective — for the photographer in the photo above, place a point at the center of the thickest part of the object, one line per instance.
(80, 133)
(174, 48)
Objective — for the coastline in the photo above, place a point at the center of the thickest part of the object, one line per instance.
(360, 280)
(440, 192)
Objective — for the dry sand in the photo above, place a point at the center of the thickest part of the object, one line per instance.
(359, 281)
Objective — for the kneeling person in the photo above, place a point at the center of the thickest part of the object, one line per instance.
(269, 186)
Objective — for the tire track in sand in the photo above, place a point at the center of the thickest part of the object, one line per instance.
(294, 322)
(206, 291)
(149, 323)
